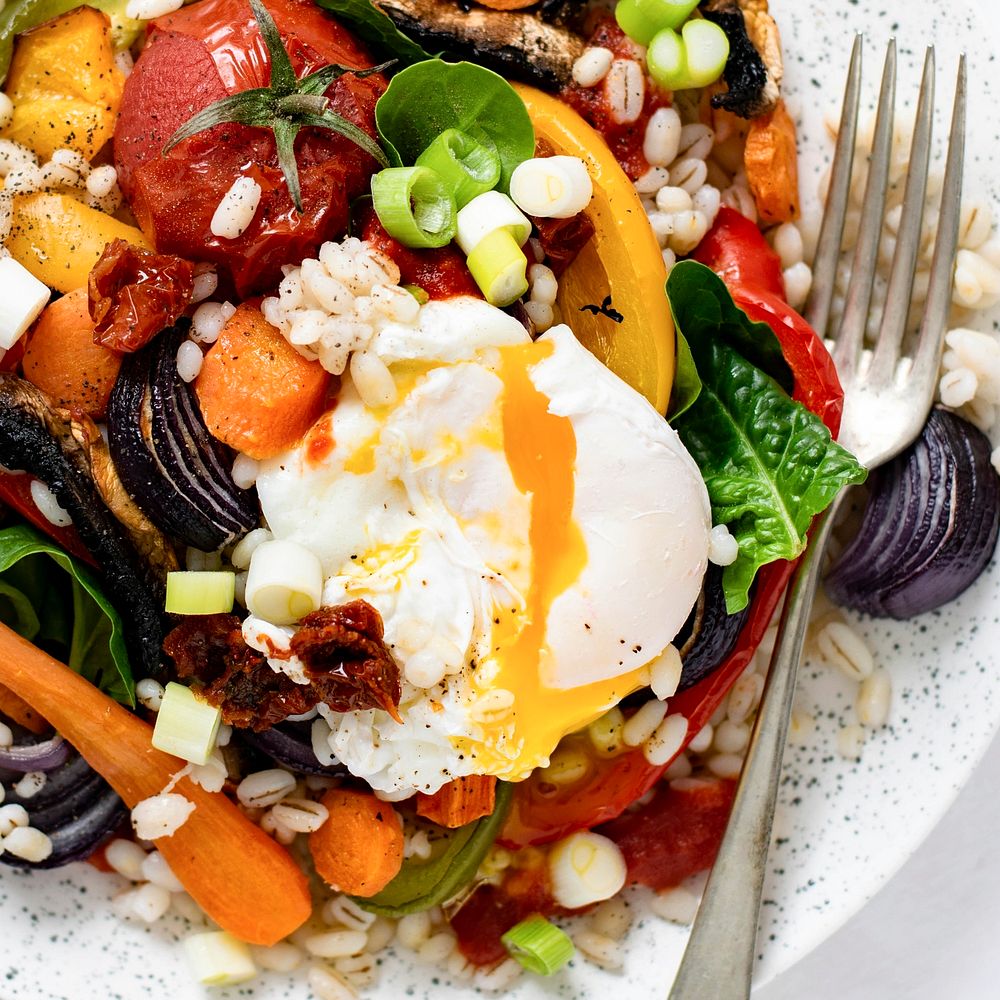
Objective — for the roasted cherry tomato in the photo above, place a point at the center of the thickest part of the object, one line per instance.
(198, 55)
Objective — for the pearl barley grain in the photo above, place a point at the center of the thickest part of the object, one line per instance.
(189, 360)
(237, 209)
(592, 66)
(27, 843)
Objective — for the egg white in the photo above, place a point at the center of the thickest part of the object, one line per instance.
(415, 509)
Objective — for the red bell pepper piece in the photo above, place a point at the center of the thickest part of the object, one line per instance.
(15, 491)
(738, 253)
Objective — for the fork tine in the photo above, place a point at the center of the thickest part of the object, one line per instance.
(900, 290)
(832, 229)
(850, 336)
(935, 317)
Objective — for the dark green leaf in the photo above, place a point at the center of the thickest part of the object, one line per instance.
(53, 582)
(768, 463)
(250, 107)
(376, 28)
(285, 132)
(424, 100)
(337, 123)
(423, 884)
(283, 79)
(317, 83)
(704, 310)
(687, 381)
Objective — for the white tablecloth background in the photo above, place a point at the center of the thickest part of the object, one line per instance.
(933, 933)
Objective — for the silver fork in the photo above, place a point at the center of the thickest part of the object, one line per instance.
(887, 397)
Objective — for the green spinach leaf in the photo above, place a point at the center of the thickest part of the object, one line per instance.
(429, 97)
(423, 884)
(703, 309)
(768, 463)
(687, 381)
(376, 28)
(20, 15)
(52, 600)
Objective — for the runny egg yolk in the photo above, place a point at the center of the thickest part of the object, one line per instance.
(540, 448)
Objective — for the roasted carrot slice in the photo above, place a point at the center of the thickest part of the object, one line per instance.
(359, 849)
(771, 163)
(461, 801)
(256, 392)
(62, 359)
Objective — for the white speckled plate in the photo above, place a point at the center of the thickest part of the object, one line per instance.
(842, 829)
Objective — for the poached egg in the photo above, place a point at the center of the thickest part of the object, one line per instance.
(531, 530)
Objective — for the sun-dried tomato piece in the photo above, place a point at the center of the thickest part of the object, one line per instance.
(135, 293)
(563, 239)
(348, 665)
(344, 655)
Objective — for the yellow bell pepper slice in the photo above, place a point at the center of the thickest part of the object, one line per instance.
(65, 85)
(59, 239)
(623, 261)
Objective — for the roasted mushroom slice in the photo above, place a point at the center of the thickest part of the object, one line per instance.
(754, 69)
(519, 45)
(38, 438)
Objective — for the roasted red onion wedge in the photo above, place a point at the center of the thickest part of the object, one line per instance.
(75, 807)
(930, 526)
(170, 465)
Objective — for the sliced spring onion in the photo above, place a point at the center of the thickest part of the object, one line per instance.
(707, 50)
(418, 293)
(642, 19)
(415, 206)
(209, 592)
(490, 211)
(552, 187)
(219, 959)
(500, 268)
(186, 726)
(539, 945)
(284, 583)
(467, 167)
(666, 60)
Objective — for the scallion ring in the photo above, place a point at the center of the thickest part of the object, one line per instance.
(500, 268)
(466, 166)
(415, 206)
(538, 945)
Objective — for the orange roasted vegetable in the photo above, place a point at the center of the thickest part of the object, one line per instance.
(771, 163)
(359, 849)
(460, 801)
(59, 239)
(246, 882)
(256, 392)
(62, 359)
(65, 85)
(612, 294)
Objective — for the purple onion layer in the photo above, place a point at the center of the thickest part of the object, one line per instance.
(930, 527)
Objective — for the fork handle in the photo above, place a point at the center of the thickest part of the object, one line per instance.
(719, 959)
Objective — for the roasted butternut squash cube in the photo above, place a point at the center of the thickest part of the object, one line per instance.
(64, 85)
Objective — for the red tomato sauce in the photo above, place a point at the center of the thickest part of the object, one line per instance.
(441, 273)
(320, 441)
(591, 103)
